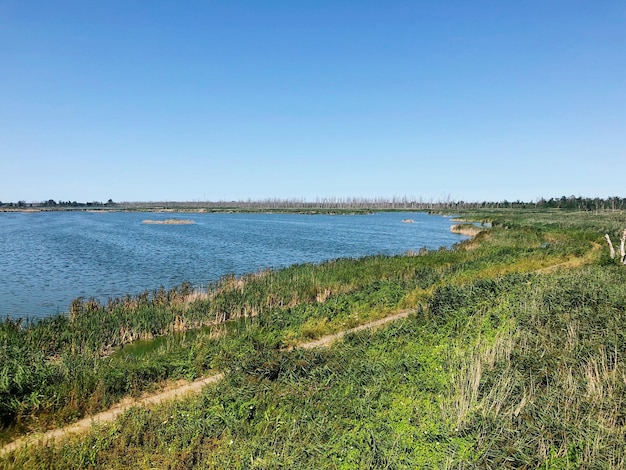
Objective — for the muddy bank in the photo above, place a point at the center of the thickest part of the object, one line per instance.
(466, 229)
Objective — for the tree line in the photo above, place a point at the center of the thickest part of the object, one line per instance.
(51, 203)
(576, 203)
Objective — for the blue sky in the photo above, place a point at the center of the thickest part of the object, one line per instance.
(220, 100)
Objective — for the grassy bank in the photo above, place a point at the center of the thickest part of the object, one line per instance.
(506, 362)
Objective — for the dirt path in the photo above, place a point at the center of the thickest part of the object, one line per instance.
(572, 263)
(327, 340)
(175, 391)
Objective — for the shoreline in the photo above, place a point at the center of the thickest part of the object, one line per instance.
(178, 224)
(466, 229)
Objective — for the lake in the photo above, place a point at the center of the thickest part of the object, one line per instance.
(50, 258)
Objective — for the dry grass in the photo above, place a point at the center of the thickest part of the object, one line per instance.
(466, 398)
(466, 229)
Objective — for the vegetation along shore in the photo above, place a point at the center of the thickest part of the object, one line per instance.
(508, 353)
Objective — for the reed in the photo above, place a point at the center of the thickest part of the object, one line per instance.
(504, 364)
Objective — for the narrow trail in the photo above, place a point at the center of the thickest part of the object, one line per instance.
(327, 340)
(572, 263)
(178, 390)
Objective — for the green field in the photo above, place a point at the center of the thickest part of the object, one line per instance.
(513, 357)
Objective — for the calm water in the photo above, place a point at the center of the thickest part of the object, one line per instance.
(49, 259)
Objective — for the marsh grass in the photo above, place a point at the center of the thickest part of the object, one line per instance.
(549, 390)
(504, 364)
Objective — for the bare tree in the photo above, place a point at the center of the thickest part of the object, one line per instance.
(611, 249)
(622, 248)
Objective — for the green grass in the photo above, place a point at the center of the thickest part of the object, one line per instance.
(504, 364)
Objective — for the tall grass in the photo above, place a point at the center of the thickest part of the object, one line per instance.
(503, 365)
(509, 374)
(550, 391)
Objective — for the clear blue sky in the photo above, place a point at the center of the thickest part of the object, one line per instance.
(219, 100)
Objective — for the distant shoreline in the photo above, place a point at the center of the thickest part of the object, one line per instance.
(205, 210)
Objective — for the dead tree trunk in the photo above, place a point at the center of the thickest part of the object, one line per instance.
(622, 248)
(611, 249)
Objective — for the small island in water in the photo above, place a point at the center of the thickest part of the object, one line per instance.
(169, 222)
